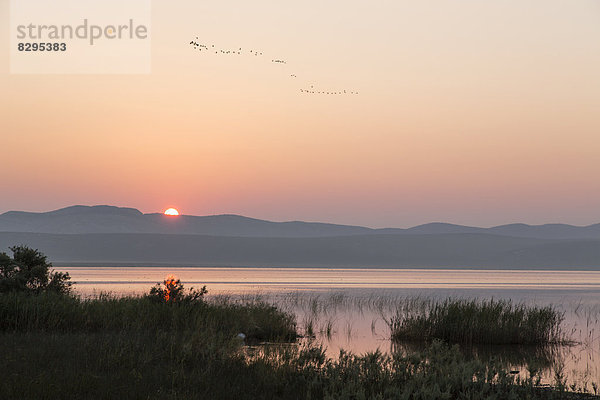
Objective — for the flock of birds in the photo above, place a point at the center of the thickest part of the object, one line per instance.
(211, 49)
(312, 90)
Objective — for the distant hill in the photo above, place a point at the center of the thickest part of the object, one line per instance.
(456, 250)
(109, 219)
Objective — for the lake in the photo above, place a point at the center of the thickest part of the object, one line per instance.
(348, 308)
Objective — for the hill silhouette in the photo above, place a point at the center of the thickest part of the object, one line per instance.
(107, 234)
(110, 219)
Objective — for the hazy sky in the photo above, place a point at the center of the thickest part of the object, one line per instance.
(470, 111)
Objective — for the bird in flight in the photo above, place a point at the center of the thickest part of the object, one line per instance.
(239, 51)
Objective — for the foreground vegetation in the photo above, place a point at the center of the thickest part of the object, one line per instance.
(186, 366)
(479, 322)
(176, 344)
(63, 347)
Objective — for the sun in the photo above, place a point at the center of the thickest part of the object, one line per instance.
(171, 212)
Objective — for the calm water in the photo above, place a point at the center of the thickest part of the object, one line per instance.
(244, 280)
(347, 308)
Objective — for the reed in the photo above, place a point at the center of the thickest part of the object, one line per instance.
(53, 313)
(479, 322)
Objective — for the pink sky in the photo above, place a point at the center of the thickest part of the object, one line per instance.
(469, 112)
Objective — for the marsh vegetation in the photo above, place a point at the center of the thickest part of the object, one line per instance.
(479, 322)
(177, 343)
(67, 347)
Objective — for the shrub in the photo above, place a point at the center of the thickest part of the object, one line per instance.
(173, 291)
(28, 270)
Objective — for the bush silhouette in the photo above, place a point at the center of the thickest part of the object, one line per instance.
(173, 291)
(28, 270)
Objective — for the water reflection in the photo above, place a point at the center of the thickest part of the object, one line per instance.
(519, 357)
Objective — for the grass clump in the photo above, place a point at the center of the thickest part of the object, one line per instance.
(479, 322)
(54, 313)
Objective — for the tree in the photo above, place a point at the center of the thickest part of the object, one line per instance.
(28, 270)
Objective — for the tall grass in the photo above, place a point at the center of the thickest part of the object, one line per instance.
(479, 322)
(52, 313)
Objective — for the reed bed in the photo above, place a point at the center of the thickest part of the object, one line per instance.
(479, 322)
(52, 313)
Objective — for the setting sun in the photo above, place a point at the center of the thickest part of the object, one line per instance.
(171, 211)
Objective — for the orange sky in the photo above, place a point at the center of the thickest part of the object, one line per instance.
(469, 112)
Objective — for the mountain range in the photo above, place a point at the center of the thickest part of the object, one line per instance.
(107, 234)
(110, 219)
